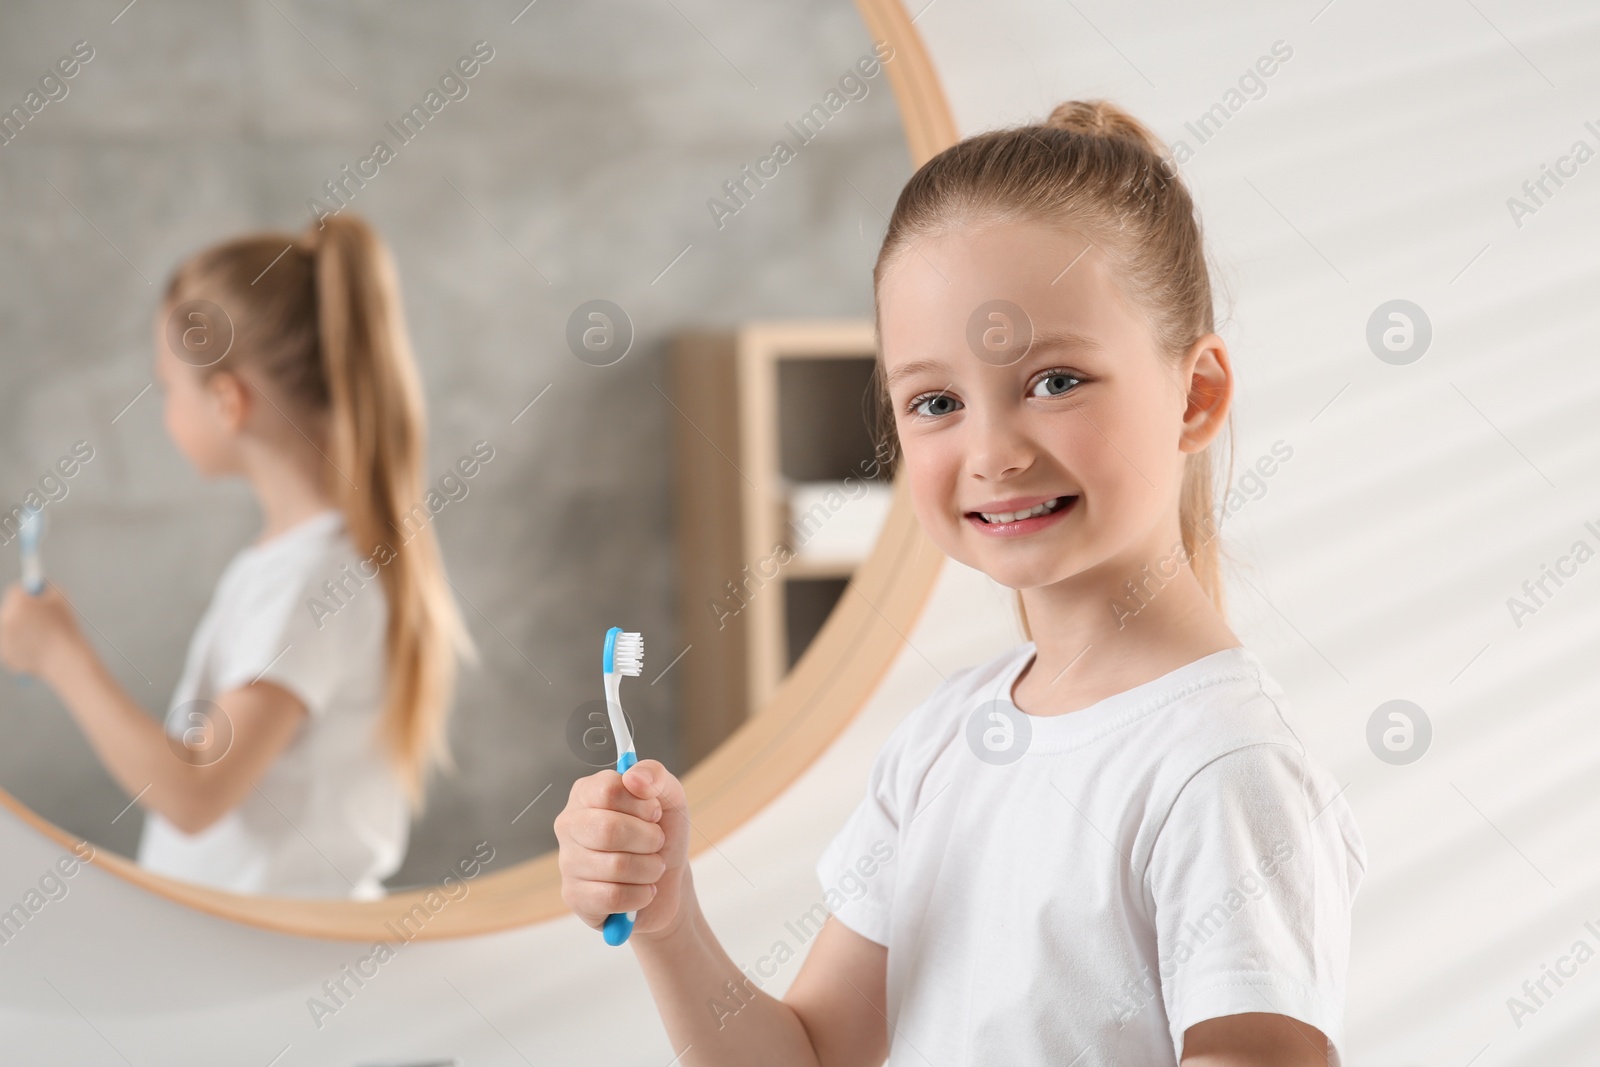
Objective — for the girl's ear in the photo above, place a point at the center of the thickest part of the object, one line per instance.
(230, 399)
(1208, 377)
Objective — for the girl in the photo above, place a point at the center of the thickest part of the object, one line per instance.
(313, 701)
(1107, 846)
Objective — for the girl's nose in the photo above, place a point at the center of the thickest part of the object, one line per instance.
(998, 449)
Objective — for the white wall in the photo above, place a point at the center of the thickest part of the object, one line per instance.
(1376, 565)
(1419, 498)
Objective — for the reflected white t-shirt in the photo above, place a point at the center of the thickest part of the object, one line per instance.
(329, 817)
(1097, 882)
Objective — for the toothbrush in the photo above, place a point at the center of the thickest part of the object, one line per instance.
(31, 532)
(624, 654)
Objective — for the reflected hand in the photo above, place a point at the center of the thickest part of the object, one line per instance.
(624, 846)
(35, 629)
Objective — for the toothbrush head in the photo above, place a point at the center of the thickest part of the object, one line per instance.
(31, 528)
(624, 652)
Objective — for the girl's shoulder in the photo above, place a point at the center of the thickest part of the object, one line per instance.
(302, 606)
(1232, 749)
(990, 679)
(991, 674)
(315, 561)
(1243, 705)
(929, 725)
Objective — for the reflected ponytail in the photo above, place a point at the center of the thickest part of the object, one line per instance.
(377, 437)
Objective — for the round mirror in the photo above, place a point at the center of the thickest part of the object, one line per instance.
(634, 253)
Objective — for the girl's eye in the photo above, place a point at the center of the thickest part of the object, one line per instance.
(932, 405)
(1054, 384)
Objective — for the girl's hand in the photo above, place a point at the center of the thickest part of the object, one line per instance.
(35, 629)
(624, 846)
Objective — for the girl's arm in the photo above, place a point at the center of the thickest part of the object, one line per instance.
(624, 847)
(191, 788)
(833, 1015)
(1254, 1039)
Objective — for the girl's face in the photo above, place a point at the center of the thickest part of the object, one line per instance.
(198, 413)
(1037, 462)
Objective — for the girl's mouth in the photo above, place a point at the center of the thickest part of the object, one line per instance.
(1024, 521)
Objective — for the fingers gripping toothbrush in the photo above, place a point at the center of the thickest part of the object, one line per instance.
(624, 654)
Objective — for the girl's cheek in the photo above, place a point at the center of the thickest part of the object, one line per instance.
(1076, 447)
(924, 457)
(916, 472)
(927, 493)
(182, 424)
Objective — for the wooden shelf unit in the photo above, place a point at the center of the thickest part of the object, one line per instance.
(758, 409)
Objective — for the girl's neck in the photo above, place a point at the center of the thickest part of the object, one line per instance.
(1095, 638)
(290, 482)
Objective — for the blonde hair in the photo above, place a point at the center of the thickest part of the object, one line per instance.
(1094, 168)
(318, 314)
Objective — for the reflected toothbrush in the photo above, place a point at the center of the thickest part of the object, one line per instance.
(624, 654)
(31, 532)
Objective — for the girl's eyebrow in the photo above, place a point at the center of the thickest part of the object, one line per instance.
(916, 366)
(1066, 339)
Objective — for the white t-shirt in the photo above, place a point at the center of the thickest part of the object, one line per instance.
(329, 818)
(1104, 879)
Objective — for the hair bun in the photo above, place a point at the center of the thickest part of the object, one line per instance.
(1102, 118)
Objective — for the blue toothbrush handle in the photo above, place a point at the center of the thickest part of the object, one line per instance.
(618, 926)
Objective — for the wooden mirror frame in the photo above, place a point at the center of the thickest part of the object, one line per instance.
(826, 689)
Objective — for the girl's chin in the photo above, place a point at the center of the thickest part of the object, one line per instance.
(1021, 581)
(1016, 567)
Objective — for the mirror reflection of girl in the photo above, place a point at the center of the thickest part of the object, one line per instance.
(308, 714)
(1107, 845)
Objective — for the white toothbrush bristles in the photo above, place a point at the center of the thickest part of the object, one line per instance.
(628, 654)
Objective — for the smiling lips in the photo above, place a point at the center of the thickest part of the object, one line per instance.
(1020, 516)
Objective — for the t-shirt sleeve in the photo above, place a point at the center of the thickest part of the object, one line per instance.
(857, 869)
(304, 642)
(1252, 876)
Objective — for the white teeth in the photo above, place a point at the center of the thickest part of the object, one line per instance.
(1017, 516)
